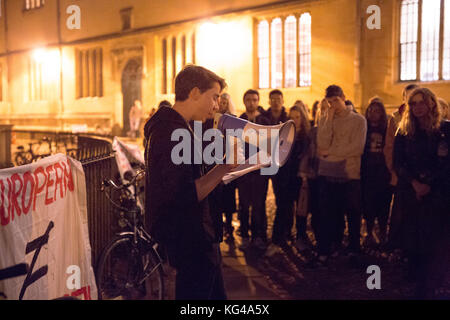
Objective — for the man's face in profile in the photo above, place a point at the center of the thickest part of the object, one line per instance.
(207, 103)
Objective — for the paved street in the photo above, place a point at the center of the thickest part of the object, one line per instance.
(250, 275)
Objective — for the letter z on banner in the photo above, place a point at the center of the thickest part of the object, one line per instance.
(43, 222)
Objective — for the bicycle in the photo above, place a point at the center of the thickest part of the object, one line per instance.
(130, 265)
(29, 156)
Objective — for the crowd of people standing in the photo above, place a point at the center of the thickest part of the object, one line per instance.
(390, 170)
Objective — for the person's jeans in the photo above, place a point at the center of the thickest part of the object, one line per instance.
(336, 199)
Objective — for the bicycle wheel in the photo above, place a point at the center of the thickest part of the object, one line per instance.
(23, 158)
(121, 271)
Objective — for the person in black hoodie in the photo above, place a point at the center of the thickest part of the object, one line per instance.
(277, 114)
(176, 207)
(253, 186)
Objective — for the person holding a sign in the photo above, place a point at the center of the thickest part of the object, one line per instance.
(177, 210)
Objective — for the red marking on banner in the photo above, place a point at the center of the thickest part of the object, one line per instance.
(9, 199)
(27, 178)
(15, 193)
(68, 179)
(50, 182)
(58, 181)
(14, 189)
(38, 189)
(84, 291)
(4, 220)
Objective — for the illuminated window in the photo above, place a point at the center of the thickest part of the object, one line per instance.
(305, 50)
(276, 53)
(446, 53)
(429, 55)
(263, 54)
(34, 4)
(89, 65)
(290, 52)
(35, 80)
(284, 52)
(425, 57)
(408, 39)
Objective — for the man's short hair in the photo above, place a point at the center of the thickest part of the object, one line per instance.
(164, 103)
(276, 91)
(251, 91)
(409, 87)
(333, 91)
(193, 76)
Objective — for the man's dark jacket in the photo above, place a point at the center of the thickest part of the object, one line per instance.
(174, 216)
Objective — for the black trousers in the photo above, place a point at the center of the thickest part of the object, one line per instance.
(336, 200)
(252, 196)
(426, 236)
(200, 277)
(284, 215)
(377, 195)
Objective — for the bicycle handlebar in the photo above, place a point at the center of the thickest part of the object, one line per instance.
(109, 182)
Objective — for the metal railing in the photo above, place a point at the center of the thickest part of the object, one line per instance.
(98, 164)
(97, 157)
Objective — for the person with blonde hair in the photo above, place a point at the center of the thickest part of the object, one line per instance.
(396, 216)
(422, 164)
(225, 104)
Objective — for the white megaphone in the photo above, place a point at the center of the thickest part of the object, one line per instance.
(274, 141)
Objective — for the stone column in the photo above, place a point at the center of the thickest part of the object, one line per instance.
(5, 145)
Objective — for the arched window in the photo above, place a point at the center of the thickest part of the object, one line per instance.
(418, 17)
(284, 52)
(276, 54)
(429, 55)
(290, 52)
(305, 50)
(446, 62)
(263, 54)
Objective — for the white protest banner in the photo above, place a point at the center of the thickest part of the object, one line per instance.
(126, 154)
(43, 222)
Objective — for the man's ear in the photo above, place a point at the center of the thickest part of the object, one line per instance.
(195, 93)
(343, 97)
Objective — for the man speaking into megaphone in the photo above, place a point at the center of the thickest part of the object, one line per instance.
(177, 209)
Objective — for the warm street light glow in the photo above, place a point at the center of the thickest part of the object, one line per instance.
(49, 60)
(39, 55)
(221, 44)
